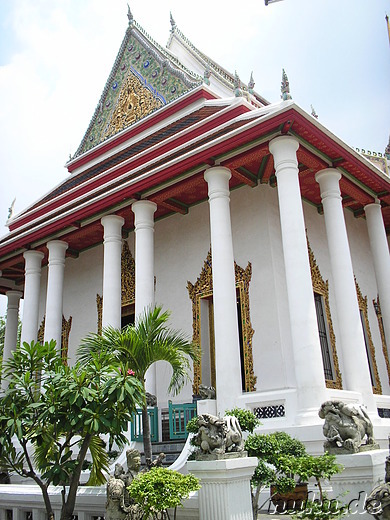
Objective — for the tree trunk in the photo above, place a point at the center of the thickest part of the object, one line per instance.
(146, 435)
(68, 508)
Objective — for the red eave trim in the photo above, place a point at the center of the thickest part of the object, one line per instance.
(118, 170)
(160, 115)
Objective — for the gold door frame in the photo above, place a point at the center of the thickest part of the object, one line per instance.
(378, 312)
(362, 301)
(65, 331)
(127, 284)
(203, 288)
(322, 287)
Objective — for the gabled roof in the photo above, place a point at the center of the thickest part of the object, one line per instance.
(211, 68)
(144, 77)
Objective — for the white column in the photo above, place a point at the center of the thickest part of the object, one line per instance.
(144, 255)
(356, 373)
(11, 326)
(55, 290)
(112, 271)
(227, 345)
(306, 347)
(32, 284)
(381, 257)
(144, 269)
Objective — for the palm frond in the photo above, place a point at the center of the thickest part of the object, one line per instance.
(100, 462)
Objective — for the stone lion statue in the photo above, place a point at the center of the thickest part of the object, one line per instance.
(206, 392)
(218, 435)
(378, 502)
(346, 426)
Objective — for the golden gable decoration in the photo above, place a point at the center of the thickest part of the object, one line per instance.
(203, 288)
(135, 102)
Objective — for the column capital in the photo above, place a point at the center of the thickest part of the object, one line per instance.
(284, 144)
(373, 207)
(284, 150)
(328, 180)
(33, 261)
(13, 298)
(57, 249)
(143, 213)
(217, 178)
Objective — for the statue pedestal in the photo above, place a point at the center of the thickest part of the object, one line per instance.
(225, 493)
(206, 406)
(362, 472)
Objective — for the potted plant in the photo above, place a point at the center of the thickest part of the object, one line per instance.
(286, 467)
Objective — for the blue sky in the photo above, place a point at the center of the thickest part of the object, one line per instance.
(55, 57)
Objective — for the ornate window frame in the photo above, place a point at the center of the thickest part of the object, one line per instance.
(203, 288)
(322, 287)
(127, 284)
(65, 331)
(362, 302)
(378, 312)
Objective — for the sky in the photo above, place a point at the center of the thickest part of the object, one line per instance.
(56, 55)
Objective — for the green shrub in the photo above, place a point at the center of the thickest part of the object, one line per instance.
(247, 419)
(161, 489)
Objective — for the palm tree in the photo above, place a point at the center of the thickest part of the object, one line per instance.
(141, 345)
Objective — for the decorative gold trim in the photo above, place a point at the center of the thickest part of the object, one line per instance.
(135, 102)
(362, 300)
(321, 287)
(127, 284)
(99, 306)
(203, 288)
(127, 275)
(378, 312)
(65, 332)
(213, 376)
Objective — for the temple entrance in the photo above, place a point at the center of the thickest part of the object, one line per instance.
(201, 294)
(207, 341)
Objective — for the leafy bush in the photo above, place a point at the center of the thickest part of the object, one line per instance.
(161, 489)
(247, 419)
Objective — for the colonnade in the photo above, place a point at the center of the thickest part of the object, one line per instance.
(306, 349)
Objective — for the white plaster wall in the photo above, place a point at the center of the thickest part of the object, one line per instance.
(181, 246)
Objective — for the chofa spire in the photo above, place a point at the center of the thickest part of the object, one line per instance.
(130, 15)
(173, 23)
(285, 88)
(251, 84)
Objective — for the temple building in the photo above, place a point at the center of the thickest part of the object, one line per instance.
(263, 233)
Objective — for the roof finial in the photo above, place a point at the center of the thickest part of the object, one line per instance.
(251, 84)
(285, 87)
(173, 23)
(207, 74)
(313, 112)
(130, 15)
(387, 150)
(11, 209)
(237, 85)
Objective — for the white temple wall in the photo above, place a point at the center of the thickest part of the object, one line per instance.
(181, 246)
